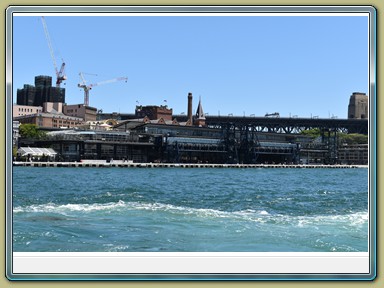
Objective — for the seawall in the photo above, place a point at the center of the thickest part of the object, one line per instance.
(178, 165)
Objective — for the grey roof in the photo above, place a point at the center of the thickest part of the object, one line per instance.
(34, 151)
(130, 124)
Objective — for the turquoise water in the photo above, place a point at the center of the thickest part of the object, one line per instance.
(190, 210)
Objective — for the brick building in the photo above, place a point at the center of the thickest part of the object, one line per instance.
(80, 110)
(154, 112)
(50, 120)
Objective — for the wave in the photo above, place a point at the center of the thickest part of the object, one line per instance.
(262, 216)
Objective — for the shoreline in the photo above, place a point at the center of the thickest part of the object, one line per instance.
(120, 164)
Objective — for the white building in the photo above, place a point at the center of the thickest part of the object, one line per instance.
(23, 110)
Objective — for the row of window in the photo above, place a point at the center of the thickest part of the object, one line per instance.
(353, 156)
(23, 114)
(29, 110)
(71, 110)
(72, 123)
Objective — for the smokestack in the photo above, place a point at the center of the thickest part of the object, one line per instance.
(190, 107)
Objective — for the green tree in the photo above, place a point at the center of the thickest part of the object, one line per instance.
(344, 138)
(14, 151)
(31, 131)
(314, 133)
(353, 138)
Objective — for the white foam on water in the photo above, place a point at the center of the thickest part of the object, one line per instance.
(263, 216)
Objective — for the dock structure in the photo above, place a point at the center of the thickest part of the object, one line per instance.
(154, 135)
(99, 164)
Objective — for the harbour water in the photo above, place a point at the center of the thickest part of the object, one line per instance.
(189, 210)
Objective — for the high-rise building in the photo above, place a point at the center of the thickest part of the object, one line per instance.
(40, 93)
(26, 96)
(43, 81)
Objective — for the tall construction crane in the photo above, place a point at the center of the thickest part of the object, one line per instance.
(86, 87)
(59, 73)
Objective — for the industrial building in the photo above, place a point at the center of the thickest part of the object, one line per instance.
(148, 142)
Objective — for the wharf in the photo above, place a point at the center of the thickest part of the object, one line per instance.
(178, 165)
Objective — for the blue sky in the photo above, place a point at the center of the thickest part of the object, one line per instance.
(295, 65)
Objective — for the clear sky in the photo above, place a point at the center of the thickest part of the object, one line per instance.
(297, 65)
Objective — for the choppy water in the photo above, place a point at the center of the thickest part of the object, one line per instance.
(189, 210)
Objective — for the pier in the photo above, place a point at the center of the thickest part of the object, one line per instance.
(121, 164)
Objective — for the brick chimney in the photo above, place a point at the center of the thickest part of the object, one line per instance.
(190, 107)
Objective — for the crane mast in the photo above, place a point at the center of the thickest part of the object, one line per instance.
(86, 87)
(59, 73)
